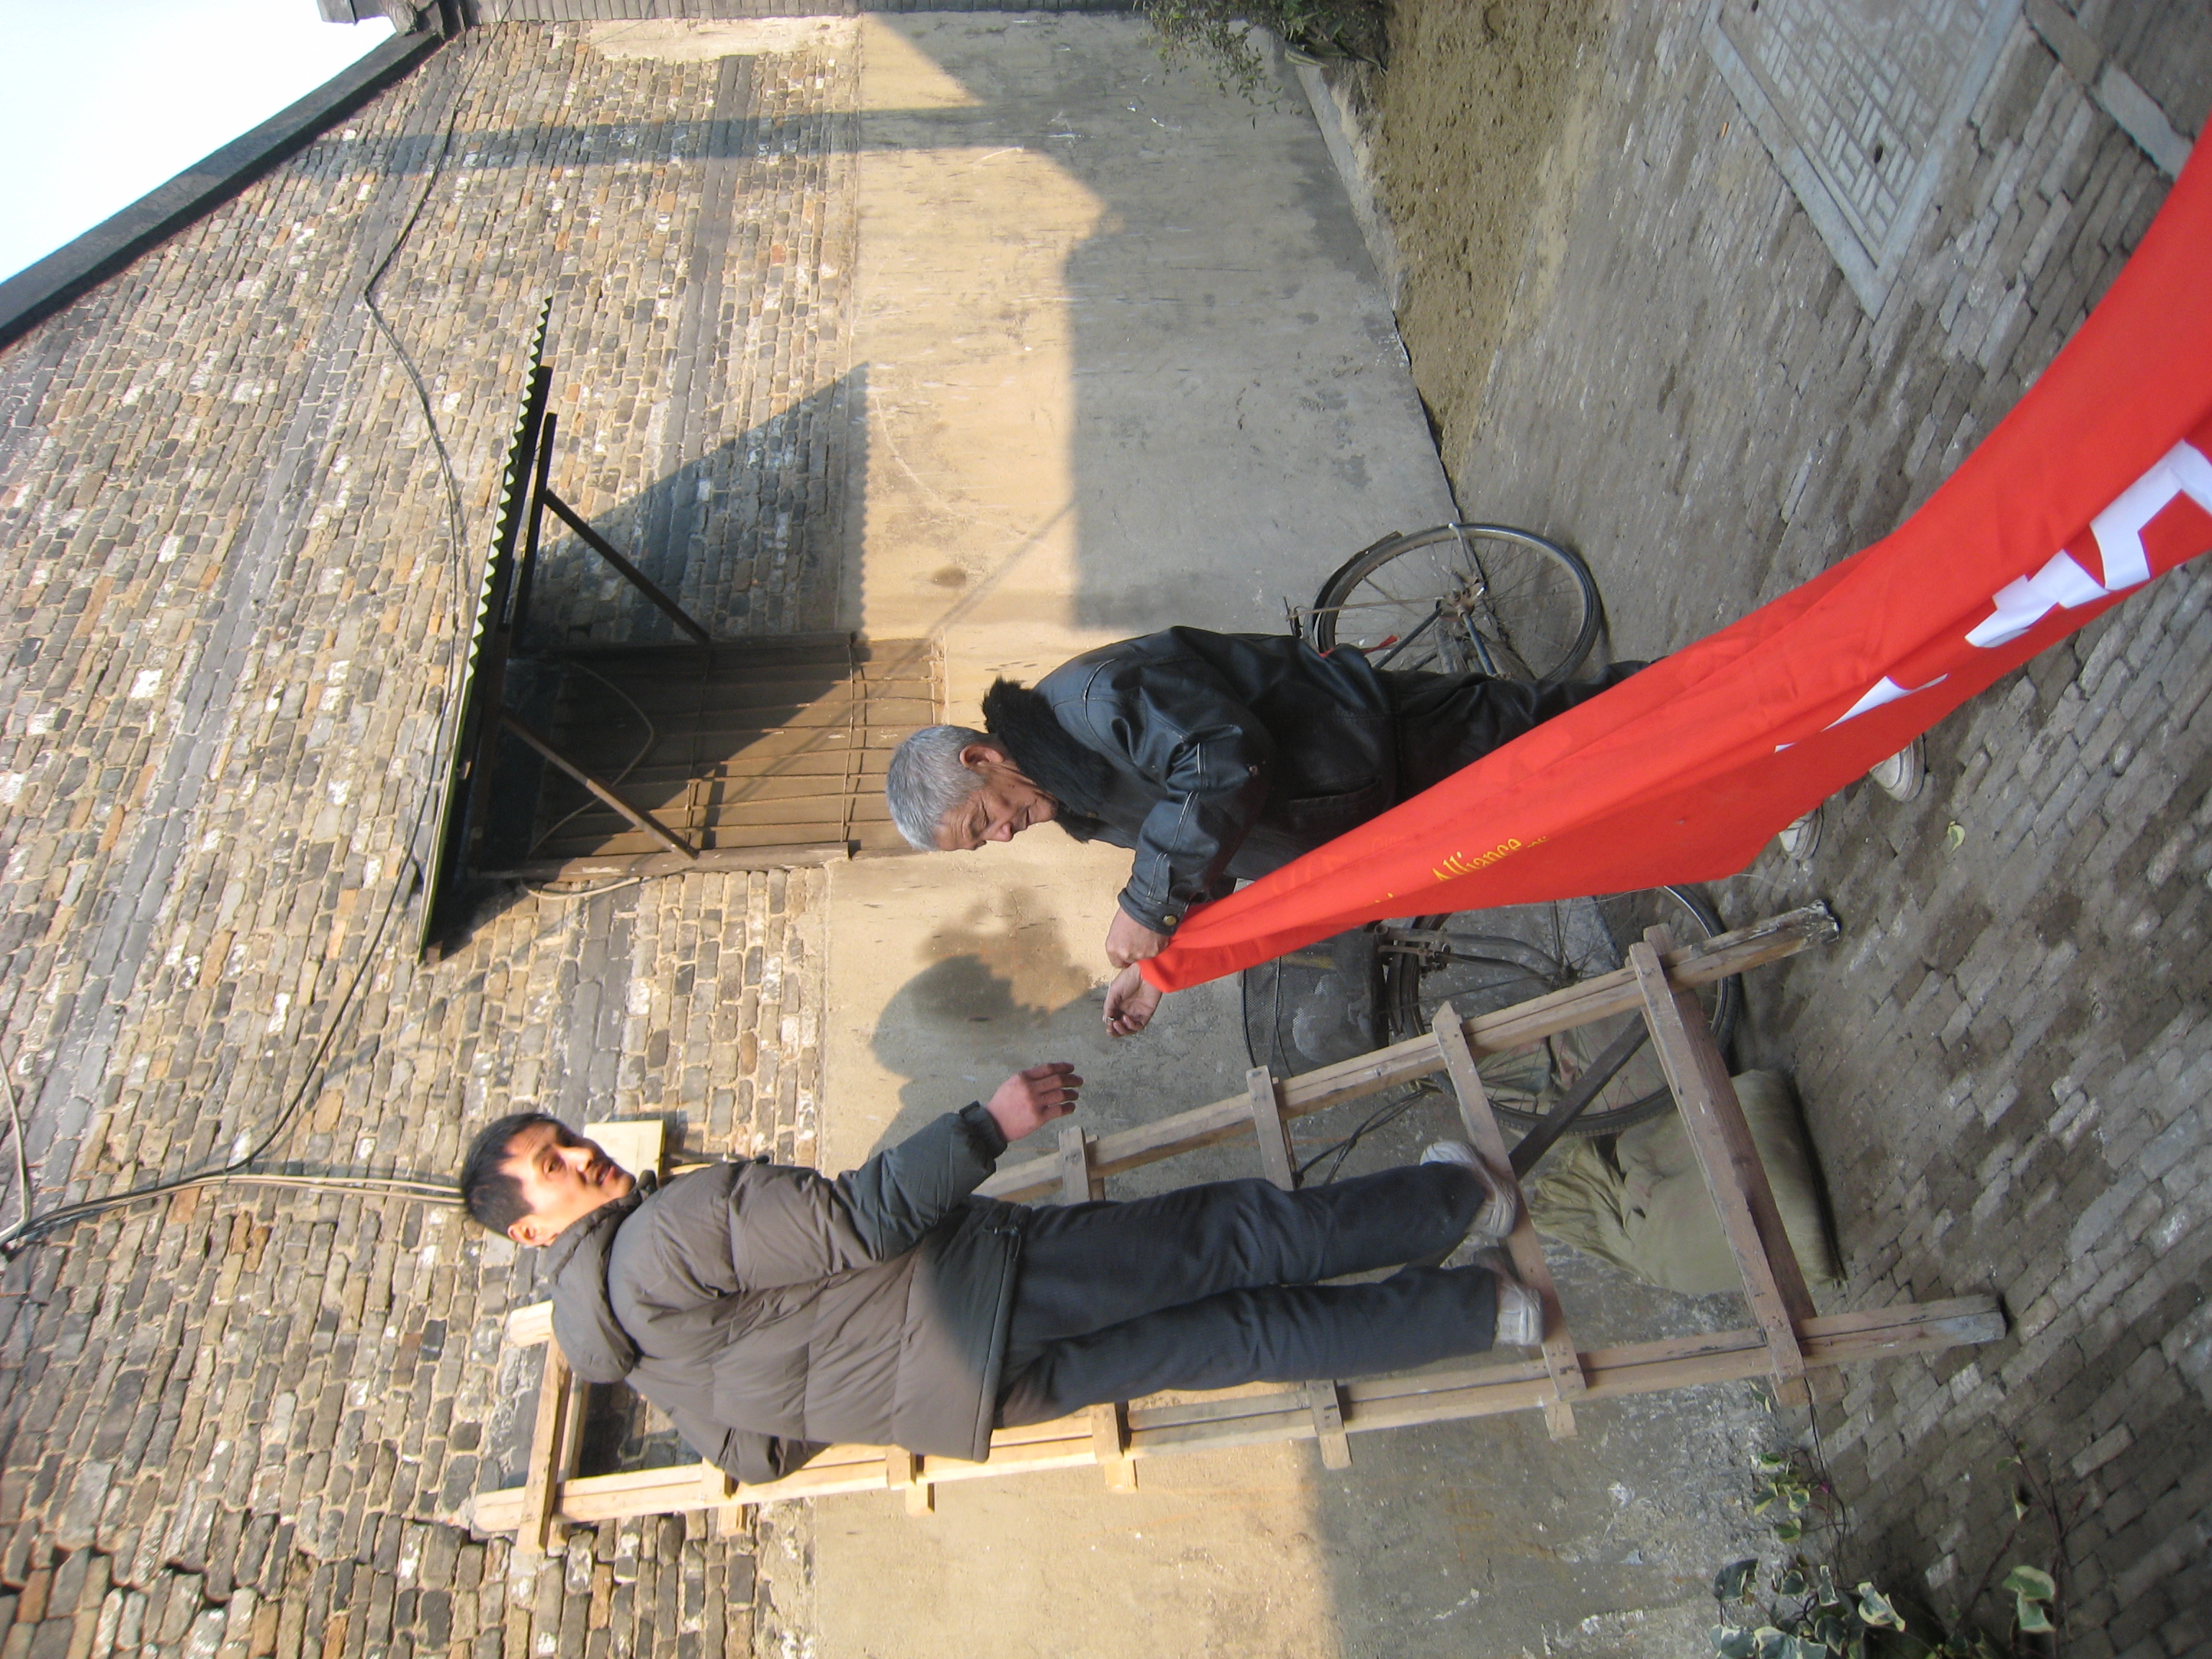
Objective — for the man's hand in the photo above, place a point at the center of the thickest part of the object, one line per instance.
(1130, 1001)
(1029, 1099)
(1128, 941)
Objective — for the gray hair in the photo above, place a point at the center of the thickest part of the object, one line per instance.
(926, 780)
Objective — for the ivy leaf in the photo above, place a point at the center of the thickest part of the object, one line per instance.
(1769, 1463)
(1763, 1497)
(2030, 1583)
(1773, 1642)
(2034, 1618)
(1800, 1498)
(1789, 1531)
(1797, 1647)
(1791, 1582)
(1729, 1642)
(1733, 1583)
(2019, 1504)
(1874, 1608)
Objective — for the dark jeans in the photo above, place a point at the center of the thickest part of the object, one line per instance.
(1447, 722)
(1210, 1286)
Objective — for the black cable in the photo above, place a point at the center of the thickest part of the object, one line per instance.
(1389, 1112)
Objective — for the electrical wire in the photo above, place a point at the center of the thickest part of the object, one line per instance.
(583, 893)
(32, 1227)
(1389, 1112)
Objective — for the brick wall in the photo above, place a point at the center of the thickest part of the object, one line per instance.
(2004, 1061)
(241, 1422)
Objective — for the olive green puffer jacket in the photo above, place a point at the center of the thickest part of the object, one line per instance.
(770, 1309)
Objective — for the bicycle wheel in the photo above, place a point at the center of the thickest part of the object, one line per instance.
(1463, 598)
(1481, 961)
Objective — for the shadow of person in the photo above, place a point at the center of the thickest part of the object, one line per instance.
(1002, 992)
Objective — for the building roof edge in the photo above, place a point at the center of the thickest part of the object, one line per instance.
(78, 266)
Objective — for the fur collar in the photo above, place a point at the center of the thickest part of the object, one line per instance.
(1078, 781)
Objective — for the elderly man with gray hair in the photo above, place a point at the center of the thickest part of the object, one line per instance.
(1214, 758)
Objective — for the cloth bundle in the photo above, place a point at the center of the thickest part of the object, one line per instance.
(1646, 1208)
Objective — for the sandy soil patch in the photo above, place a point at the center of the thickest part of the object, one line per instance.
(1476, 118)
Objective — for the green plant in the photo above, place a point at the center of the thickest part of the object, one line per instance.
(1802, 1610)
(1214, 32)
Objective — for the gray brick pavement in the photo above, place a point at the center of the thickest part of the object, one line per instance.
(242, 1422)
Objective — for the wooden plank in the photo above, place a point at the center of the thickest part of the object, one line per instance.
(536, 1530)
(902, 1473)
(1109, 1444)
(635, 1143)
(532, 1322)
(825, 644)
(1074, 1164)
(1401, 1062)
(714, 1486)
(588, 867)
(1773, 1285)
(1326, 1407)
(1254, 1417)
(826, 776)
(1560, 1363)
(568, 1452)
(1265, 1105)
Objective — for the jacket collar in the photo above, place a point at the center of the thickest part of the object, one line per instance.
(591, 1340)
(1079, 782)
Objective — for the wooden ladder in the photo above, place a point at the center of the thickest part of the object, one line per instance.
(1793, 1348)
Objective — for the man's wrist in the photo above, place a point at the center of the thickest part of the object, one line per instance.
(1160, 915)
(983, 1131)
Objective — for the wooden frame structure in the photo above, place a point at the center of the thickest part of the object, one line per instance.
(1790, 1346)
(674, 833)
(502, 610)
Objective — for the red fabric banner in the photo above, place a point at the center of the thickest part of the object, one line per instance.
(2097, 481)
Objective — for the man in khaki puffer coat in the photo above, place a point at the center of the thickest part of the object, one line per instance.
(770, 1310)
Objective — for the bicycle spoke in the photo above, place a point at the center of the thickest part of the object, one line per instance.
(1386, 660)
(1504, 602)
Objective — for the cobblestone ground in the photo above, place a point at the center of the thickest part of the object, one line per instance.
(243, 1421)
(2004, 1062)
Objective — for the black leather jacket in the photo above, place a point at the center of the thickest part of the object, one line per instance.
(1215, 756)
(1219, 757)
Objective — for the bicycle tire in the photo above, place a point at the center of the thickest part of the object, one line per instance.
(1500, 601)
(1412, 990)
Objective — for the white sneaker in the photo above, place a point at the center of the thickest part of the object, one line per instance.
(1799, 841)
(1520, 1310)
(1501, 1206)
(1903, 775)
